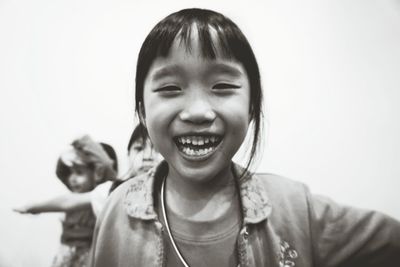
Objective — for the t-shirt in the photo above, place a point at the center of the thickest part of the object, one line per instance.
(210, 243)
(78, 227)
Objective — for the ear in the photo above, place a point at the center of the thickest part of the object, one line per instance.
(142, 116)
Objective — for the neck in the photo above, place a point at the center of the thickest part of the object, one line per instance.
(201, 200)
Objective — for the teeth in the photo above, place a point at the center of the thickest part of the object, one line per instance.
(192, 152)
(197, 140)
(197, 145)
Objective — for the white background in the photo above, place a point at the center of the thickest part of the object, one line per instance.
(330, 70)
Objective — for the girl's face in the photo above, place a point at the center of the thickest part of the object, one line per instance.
(80, 179)
(196, 110)
(142, 156)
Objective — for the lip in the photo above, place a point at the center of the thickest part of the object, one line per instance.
(197, 133)
(75, 188)
(199, 158)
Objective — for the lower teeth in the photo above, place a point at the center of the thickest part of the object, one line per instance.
(196, 152)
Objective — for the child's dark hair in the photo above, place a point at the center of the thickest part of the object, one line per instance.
(230, 42)
(112, 154)
(63, 171)
(139, 133)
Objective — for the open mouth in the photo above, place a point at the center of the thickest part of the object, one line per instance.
(197, 145)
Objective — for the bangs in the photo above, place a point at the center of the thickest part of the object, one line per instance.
(80, 166)
(217, 35)
(212, 41)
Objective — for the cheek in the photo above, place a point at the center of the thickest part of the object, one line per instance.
(236, 108)
(159, 115)
(83, 180)
(237, 118)
(238, 127)
(136, 160)
(158, 129)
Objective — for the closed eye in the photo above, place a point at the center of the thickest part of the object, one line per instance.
(138, 148)
(222, 86)
(168, 89)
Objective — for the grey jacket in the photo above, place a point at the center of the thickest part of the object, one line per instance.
(283, 226)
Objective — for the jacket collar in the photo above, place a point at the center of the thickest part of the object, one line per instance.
(140, 197)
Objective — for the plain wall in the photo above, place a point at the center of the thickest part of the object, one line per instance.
(330, 71)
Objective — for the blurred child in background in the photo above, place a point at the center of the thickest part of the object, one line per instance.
(81, 168)
(141, 157)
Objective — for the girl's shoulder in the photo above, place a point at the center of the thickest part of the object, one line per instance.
(282, 192)
(136, 196)
(269, 183)
(276, 179)
(277, 186)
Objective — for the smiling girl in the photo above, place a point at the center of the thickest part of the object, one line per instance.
(197, 93)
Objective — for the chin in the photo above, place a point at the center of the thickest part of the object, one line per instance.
(202, 174)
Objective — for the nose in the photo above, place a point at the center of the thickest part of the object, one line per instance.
(198, 109)
(148, 153)
(72, 180)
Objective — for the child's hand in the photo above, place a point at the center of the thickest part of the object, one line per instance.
(71, 157)
(91, 151)
(24, 210)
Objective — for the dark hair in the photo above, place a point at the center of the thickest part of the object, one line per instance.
(138, 134)
(63, 171)
(112, 154)
(231, 42)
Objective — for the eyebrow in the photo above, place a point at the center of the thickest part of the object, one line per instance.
(166, 71)
(78, 166)
(223, 68)
(215, 68)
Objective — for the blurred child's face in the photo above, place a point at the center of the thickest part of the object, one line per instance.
(196, 110)
(142, 157)
(81, 179)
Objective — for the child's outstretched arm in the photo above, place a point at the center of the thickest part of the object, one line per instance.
(63, 203)
(346, 236)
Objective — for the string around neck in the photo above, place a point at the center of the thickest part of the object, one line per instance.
(164, 213)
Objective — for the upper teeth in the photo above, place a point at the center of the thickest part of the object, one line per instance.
(197, 140)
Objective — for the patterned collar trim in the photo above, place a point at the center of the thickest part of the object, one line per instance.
(139, 198)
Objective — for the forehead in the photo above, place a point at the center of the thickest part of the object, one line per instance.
(198, 39)
(139, 143)
(189, 52)
(206, 44)
(79, 167)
